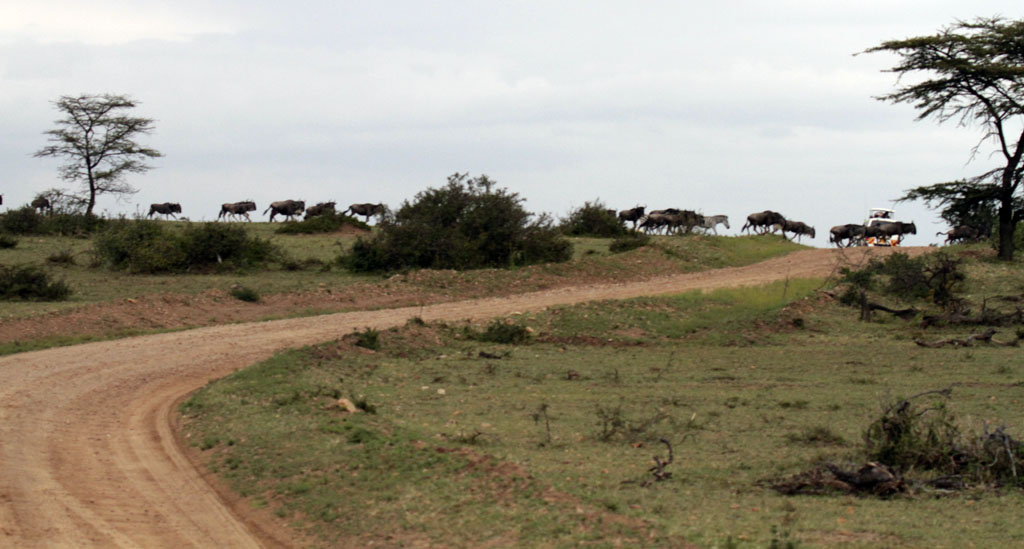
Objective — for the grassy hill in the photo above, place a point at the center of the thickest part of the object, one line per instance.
(542, 429)
(307, 280)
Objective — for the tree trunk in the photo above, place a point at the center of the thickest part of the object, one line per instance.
(92, 193)
(865, 309)
(1006, 224)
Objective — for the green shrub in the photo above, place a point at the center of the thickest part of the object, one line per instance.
(146, 246)
(243, 293)
(501, 331)
(908, 435)
(593, 219)
(138, 246)
(26, 220)
(368, 339)
(30, 283)
(906, 276)
(224, 245)
(466, 224)
(23, 221)
(937, 276)
(323, 223)
(73, 224)
(63, 257)
(7, 242)
(629, 241)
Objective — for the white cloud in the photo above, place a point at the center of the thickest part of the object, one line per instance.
(104, 22)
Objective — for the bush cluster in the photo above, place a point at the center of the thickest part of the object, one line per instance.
(145, 246)
(30, 283)
(466, 224)
(936, 277)
(27, 221)
(500, 331)
(245, 293)
(593, 219)
(323, 223)
(921, 433)
(629, 241)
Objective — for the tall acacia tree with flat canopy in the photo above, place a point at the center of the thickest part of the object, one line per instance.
(971, 73)
(96, 137)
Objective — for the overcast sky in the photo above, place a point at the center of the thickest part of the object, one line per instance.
(726, 108)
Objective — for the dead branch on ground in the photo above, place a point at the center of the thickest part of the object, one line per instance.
(969, 341)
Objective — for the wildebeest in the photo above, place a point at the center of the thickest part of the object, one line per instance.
(671, 220)
(963, 233)
(237, 208)
(709, 222)
(368, 210)
(892, 229)
(656, 221)
(798, 228)
(319, 209)
(167, 208)
(40, 203)
(632, 214)
(849, 232)
(762, 222)
(287, 208)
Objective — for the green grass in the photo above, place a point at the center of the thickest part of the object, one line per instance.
(307, 254)
(97, 285)
(458, 452)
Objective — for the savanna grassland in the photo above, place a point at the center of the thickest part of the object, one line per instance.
(555, 428)
(542, 429)
(305, 279)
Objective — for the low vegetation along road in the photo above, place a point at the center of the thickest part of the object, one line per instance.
(88, 443)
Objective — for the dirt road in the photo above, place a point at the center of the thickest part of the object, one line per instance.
(88, 454)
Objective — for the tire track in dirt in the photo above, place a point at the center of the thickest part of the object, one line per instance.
(87, 441)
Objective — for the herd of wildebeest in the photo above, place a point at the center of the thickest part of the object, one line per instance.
(288, 209)
(668, 221)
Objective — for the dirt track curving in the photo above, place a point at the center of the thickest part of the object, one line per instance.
(87, 442)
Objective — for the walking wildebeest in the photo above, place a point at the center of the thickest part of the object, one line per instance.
(889, 232)
(319, 209)
(963, 233)
(235, 209)
(632, 214)
(671, 220)
(656, 221)
(798, 228)
(368, 210)
(849, 232)
(896, 229)
(41, 203)
(287, 208)
(764, 221)
(167, 208)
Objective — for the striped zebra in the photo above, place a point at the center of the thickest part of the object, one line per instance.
(708, 222)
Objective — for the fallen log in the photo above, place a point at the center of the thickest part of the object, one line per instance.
(905, 314)
(987, 317)
(969, 341)
(870, 478)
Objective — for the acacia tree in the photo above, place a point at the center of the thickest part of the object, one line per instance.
(96, 138)
(971, 73)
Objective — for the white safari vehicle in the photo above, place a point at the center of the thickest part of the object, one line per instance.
(878, 216)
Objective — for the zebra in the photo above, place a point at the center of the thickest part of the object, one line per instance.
(708, 222)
